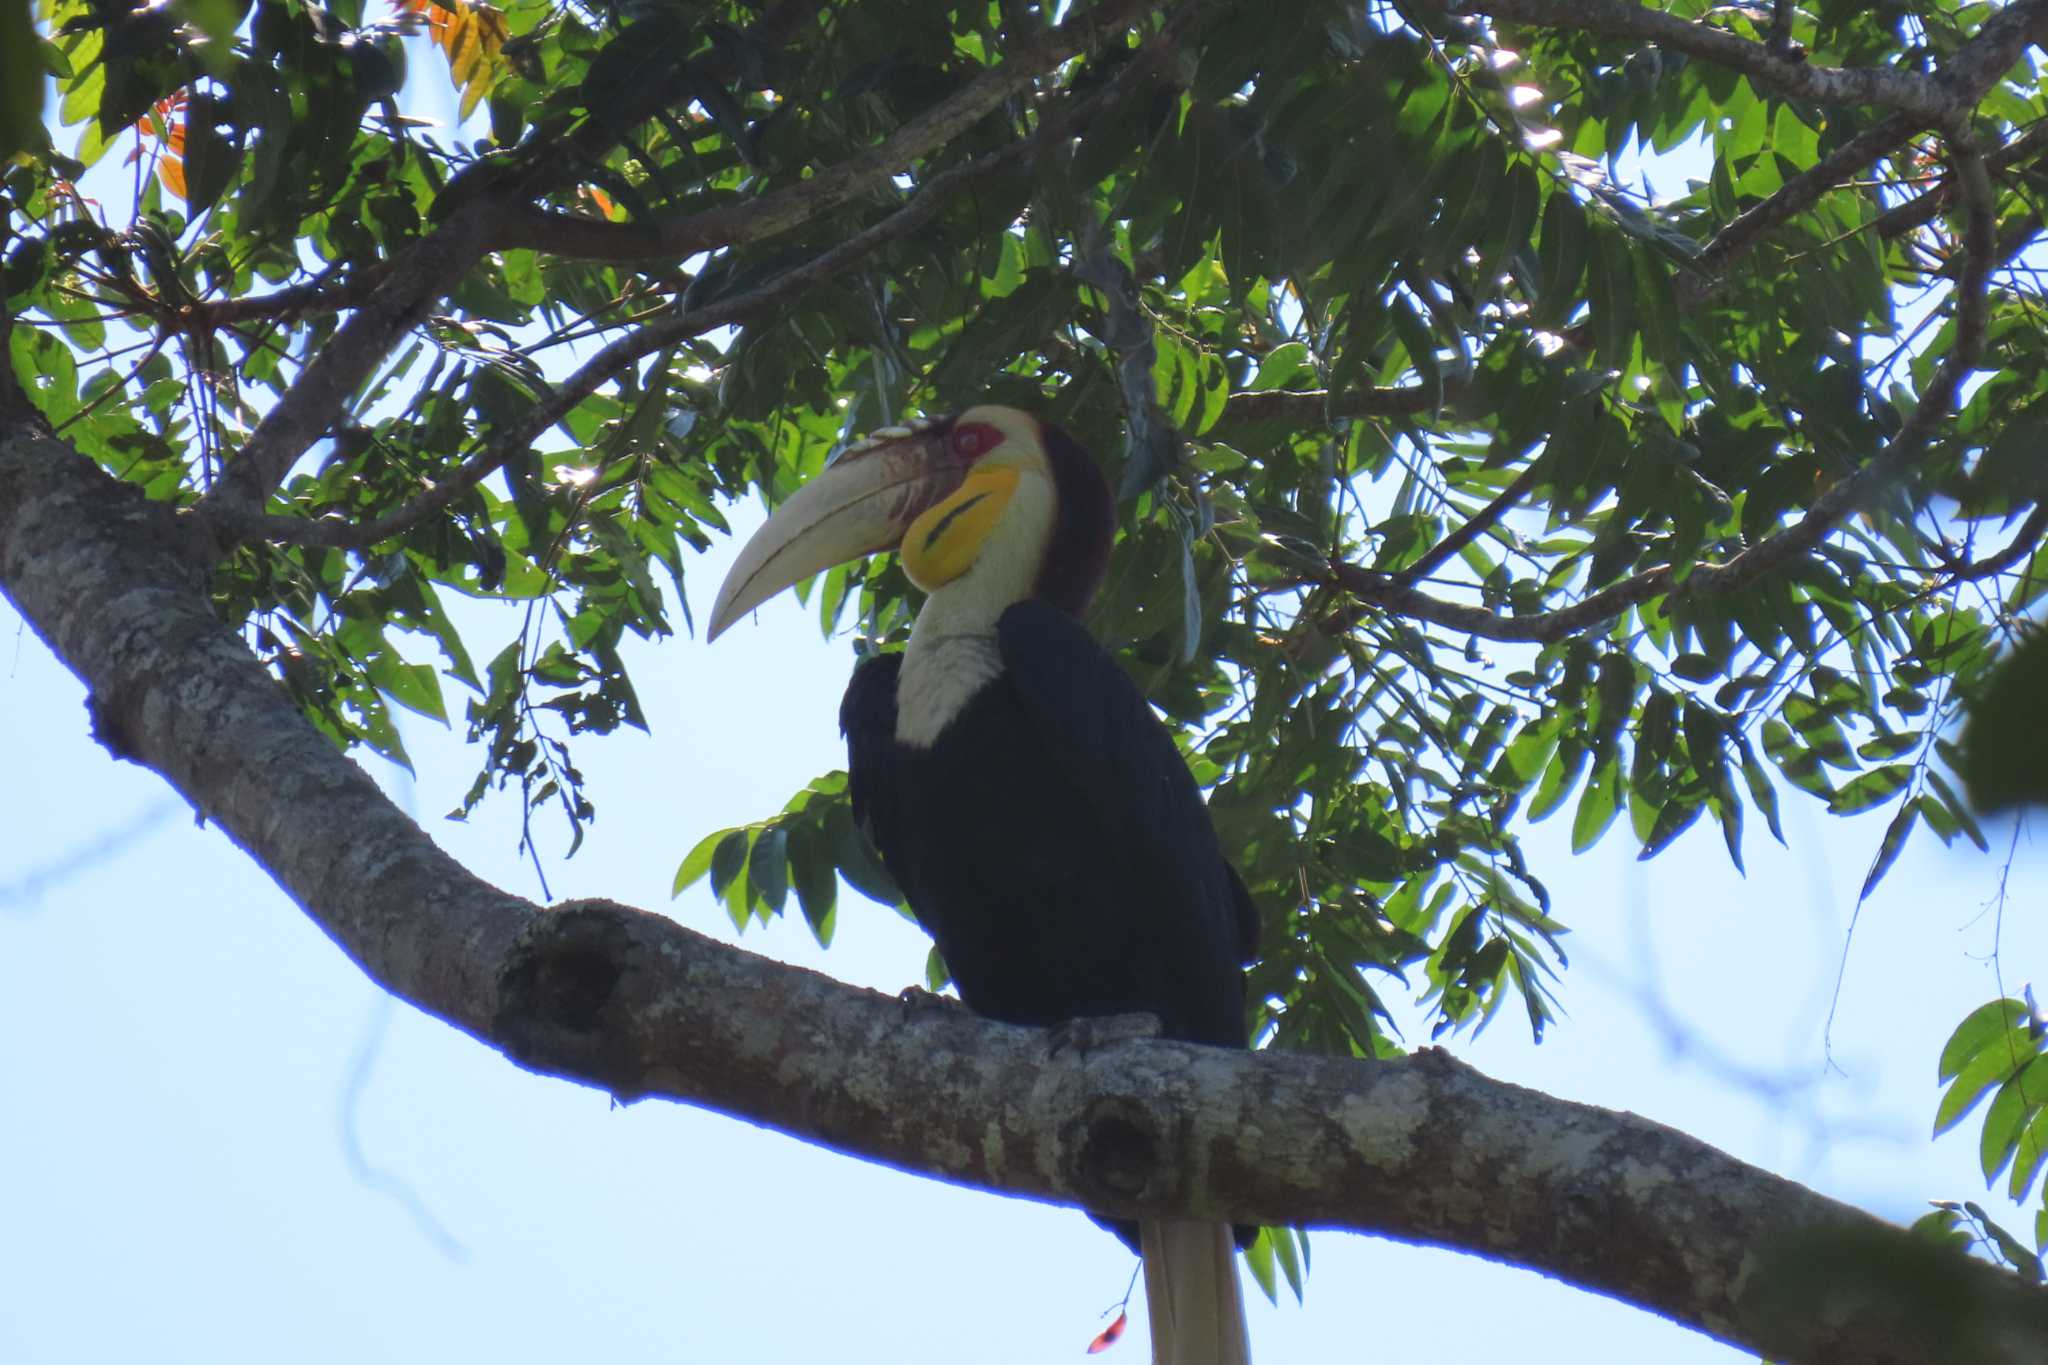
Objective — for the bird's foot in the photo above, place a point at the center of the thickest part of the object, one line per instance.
(919, 1003)
(1090, 1032)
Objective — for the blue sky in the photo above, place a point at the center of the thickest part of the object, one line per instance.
(201, 1168)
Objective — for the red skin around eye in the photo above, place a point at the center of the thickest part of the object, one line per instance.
(972, 440)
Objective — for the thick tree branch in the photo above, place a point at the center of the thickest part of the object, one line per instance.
(1931, 100)
(1424, 1149)
(1991, 52)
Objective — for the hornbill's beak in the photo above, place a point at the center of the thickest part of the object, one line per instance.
(864, 501)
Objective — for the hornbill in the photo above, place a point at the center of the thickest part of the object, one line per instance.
(1041, 823)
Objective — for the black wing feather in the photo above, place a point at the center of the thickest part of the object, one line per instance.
(867, 717)
(1096, 727)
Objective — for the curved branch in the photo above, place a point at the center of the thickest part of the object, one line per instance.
(1964, 78)
(2024, 542)
(1423, 1149)
(1475, 525)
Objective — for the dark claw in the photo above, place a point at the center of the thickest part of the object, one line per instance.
(917, 1002)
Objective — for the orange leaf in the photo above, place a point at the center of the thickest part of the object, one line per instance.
(171, 171)
(1108, 1336)
(161, 115)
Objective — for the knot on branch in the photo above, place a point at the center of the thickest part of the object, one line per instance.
(1116, 1151)
(555, 989)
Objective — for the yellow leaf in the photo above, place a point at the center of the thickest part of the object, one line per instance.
(464, 52)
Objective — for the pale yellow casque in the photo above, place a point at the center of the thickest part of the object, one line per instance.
(904, 487)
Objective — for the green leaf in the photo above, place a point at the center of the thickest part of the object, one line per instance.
(729, 860)
(1992, 1066)
(815, 880)
(1259, 1259)
(768, 870)
(1527, 756)
(1959, 812)
(2018, 1102)
(2016, 1253)
(856, 858)
(413, 686)
(1673, 819)
(1800, 764)
(2029, 1151)
(1284, 366)
(1761, 792)
(1559, 777)
(1982, 1027)
(1610, 289)
(1888, 848)
(1598, 807)
(696, 862)
(1872, 789)
(1290, 1262)
(1561, 252)
(1695, 668)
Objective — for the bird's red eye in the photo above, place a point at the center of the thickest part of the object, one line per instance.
(971, 440)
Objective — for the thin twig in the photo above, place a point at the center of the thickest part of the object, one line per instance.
(2022, 545)
(1373, 589)
(1474, 526)
(1304, 406)
(1921, 209)
(1706, 271)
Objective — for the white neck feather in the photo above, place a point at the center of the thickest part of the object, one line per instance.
(953, 653)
